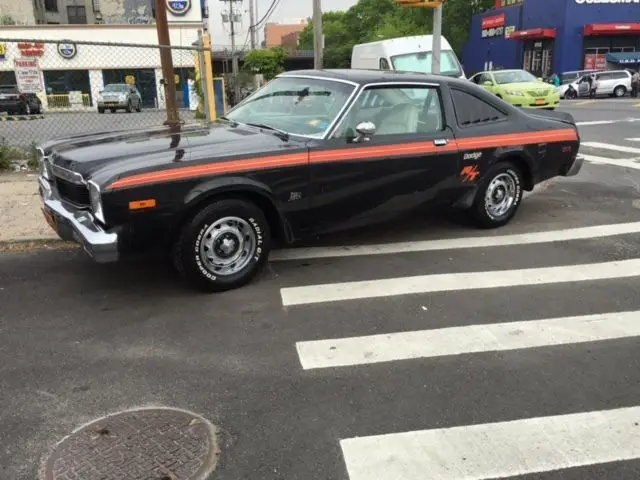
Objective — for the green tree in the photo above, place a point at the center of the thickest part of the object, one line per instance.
(268, 62)
(371, 20)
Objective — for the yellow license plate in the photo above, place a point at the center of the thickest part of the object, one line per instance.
(48, 216)
(540, 101)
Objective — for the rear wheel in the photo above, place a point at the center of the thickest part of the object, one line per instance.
(620, 91)
(499, 196)
(223, 246)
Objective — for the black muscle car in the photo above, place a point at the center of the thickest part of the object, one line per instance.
(310, 152)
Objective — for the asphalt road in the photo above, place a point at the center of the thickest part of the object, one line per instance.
(81, 340)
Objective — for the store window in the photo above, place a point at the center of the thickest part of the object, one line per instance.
(77, 15)
(62, 85)
(51, 5)
(8, 78)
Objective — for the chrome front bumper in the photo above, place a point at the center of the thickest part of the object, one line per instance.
(78, 226)
(575, 167)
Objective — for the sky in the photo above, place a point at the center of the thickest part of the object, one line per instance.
(286, 10)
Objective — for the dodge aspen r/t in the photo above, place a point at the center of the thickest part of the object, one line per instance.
(310, 152)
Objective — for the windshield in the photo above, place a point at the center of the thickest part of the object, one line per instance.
(421, 62)
(116, 88)
(300, 106)
(516, 76)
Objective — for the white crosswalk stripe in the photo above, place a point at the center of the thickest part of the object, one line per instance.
(617, 162)
(532, 444)
(611, 146)
(472, 339)
(531, 238)
(449, 282)
(497, 450)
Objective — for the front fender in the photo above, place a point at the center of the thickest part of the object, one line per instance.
(220, 185)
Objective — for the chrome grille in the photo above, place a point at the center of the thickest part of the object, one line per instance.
(73, 192)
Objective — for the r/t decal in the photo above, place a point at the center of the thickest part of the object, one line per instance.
(469, 173)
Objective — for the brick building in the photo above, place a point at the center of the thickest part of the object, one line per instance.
(283, 34)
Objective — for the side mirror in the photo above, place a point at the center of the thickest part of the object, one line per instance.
(487, 83)
(365, 132)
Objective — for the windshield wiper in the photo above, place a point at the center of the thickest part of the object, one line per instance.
(280, 133)
(232, 122)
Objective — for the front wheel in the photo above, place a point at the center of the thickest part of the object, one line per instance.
(223, 246)
(499, 196)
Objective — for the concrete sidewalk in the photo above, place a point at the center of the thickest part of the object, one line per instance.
(21, 219)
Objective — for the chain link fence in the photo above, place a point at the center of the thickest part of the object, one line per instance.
(109, 86)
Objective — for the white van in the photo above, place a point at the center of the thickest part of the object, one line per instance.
(408, 54)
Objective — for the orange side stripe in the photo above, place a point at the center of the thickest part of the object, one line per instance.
(201, 170)
(356, 153)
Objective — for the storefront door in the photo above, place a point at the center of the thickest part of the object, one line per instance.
(538, 57)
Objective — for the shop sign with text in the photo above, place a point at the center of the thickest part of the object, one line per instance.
(29, 49)
(28, 75)
(493, 26)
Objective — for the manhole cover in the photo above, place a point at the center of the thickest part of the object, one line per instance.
(145, 444)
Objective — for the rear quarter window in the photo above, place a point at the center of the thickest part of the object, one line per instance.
(471, 110)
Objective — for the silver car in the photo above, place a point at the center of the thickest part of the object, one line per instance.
(614, 82)
(119, 96)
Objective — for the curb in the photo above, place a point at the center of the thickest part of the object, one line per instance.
(28, 245)
(20, 118)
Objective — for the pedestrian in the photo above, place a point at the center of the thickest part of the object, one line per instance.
(635, 84)
(555, 79)
(593, 86)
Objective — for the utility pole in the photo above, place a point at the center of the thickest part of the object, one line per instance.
(436, 6)
(252, 22)
(234, 57)
(166, 59)
(437, 36)
(318, 43)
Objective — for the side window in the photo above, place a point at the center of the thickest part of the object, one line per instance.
(471, 110)
(384, 65)
(395, 111)
(485, 77)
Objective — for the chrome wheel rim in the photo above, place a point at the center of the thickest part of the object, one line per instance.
(228, 245)
(500, 196)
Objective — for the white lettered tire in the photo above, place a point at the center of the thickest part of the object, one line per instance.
(223, 246)
(499, 196)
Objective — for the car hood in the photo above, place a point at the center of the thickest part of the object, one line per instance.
(110, 155)
(527, 87)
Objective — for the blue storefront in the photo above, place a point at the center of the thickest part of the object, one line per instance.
(555, 36)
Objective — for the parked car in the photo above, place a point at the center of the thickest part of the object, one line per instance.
(119, 96)
(611, 82)
(408, 54)
(309, 153)
(570, 77)
(519, 88)
(616, 83)
(13, 101)
(579, 88)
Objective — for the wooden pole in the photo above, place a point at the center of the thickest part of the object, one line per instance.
(166, 59)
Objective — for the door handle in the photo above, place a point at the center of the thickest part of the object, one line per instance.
(440, 142)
